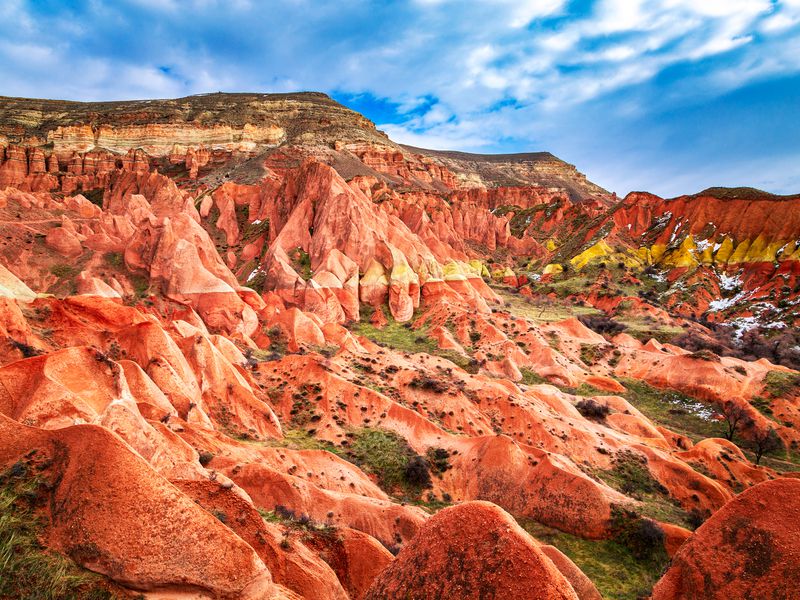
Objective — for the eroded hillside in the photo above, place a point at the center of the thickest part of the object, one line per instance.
(313, 353)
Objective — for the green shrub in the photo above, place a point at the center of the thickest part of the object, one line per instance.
(115, 259)
(610, 565)
(27, 569)
(62, 271)
(643, 537)
(301, 262)
(389, 457)
(778, 383)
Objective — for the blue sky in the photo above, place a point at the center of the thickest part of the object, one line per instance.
(669, 96)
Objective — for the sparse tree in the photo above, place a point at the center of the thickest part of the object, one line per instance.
(766, 441)
(736, 418)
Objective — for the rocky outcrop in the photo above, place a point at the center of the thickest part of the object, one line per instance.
(747, 549)
(184, 291)
(91, 473)
(491, 556)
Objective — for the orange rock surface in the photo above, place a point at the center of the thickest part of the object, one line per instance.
(747, 549)
(215, 301)
(491, 556)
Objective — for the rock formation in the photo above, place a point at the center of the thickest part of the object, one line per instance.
(333, 366)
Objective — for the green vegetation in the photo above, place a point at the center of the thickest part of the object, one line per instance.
(399, 336)
(253, 230)
(629, 474)
(402, 336)
(62, 271)
(530, 377)
(115, 259)
(591, 353)
(278, 345)
(301, 263)
(673, 410)
(389, 457)
(779, 384)
(523, 217)
(300, 439)
(141, 284)
(642, 536)
(27, 569)
(296, 524)
(644, 329)
(763, 406)
(538, 310)
(612, 566)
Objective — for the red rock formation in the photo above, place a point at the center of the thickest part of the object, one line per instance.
(747, 549)
(491, 556)
(102, 526)
(194, 280)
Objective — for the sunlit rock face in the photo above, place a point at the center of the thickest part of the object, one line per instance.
(332, 366)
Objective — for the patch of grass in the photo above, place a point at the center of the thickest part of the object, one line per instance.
(300, 439)
(64, 271)
(530, 377)
(388, 456)
(541, 311)
(27, 569)
(611, 566)
(115, 259)
(583, 389)
(644, 330)
(141, 285)
(253, 230)
(401, 336)
(779, 384)
(763, 406)
(673, 410)
(643, 537)
(295, 523)
(301, 263)
(629, 474)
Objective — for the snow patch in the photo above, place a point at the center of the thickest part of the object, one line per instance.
(702, 245)
(730, 282)
(723, 303)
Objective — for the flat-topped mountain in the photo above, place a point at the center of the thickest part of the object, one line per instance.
(517, 169)
(303, 112)
(255, 123)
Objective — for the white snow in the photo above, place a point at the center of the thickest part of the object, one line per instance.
(730, 282)
(702, 245)
(722, 304)
(743, 324)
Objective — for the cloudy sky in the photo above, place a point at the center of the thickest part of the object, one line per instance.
(670, 96)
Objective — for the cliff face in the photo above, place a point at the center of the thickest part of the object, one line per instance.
(284, 314)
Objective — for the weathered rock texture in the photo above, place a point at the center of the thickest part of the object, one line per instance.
(184, 285)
